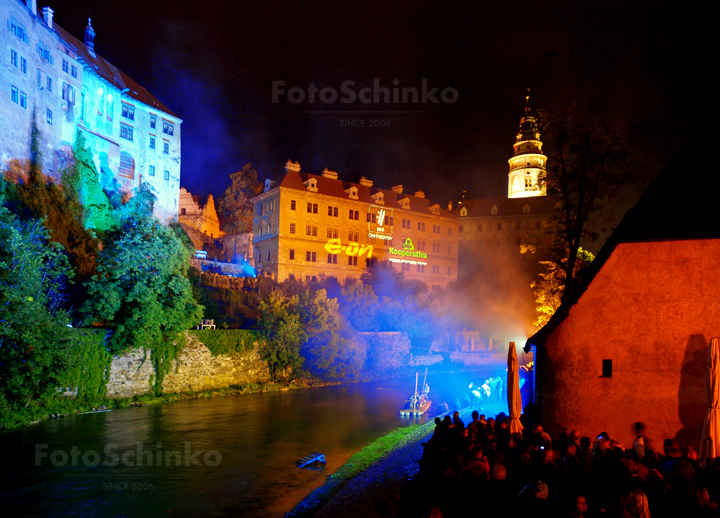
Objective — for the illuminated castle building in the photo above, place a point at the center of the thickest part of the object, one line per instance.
(310, 226)
(501, 226)
(65, 86)
(201, 218)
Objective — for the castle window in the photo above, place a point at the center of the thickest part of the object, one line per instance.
(182, 211)
(153, 121)
(352, 260)
(166, 175)
(23, 100)
(166, 147)
(526, 208)
(17, 29)
(332, 233)
(311, 256)
(44, 52)
(14, 94)
(128, 111)
(332, 259)
(168, 128)
(292, 204)
(152, 142)
(494, 209)
(65, 66)
(49, 84)
(49, 116)
(152, 170)
(292, 228)
(68, 93)
(73, 71)
(126, 132)
(291, 255)
(127, 165)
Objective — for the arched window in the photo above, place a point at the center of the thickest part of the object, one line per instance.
(127, 165)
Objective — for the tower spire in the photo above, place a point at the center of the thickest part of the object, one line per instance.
(527, 165)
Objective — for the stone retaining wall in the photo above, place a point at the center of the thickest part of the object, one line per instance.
(195, 369)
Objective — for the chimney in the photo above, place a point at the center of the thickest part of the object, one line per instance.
(365, 182)
(32, 5)
(90, 38)
(292, 166)
(329, 174)
(48, 15)
(419, 194)
(397, 189)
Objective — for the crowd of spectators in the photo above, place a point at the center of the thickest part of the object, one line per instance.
(480, 468)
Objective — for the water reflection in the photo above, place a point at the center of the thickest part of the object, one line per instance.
(258, 437)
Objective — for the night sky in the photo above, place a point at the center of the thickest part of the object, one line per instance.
(634, 65)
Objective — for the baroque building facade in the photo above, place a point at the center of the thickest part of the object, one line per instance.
(51, 79)
(310, 226)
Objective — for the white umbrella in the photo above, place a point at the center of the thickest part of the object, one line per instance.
(710, 442)
(513, 391)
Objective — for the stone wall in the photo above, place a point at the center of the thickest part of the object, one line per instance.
(386, 352)
(195, 369)
(130, 374)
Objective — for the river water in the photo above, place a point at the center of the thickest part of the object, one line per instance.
(226, 456)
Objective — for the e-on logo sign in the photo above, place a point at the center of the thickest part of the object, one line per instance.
(335, 246)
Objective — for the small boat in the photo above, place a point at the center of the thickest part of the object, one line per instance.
(417, 404)
(310, 459)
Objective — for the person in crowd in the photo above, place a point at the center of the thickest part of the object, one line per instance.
(636, 505)
(546, 439)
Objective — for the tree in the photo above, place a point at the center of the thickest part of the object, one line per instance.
(235, 206)
(327, 351)
(283, 335)
(62, 213)
(549, 289)
(33, 275)
(586, 167)
(141, 290)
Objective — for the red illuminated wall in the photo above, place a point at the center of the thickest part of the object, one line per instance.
(651, 309)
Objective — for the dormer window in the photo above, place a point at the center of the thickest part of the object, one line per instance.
(379, 198)
(494, 210)
(405, 203)
(526, 208)
(463, 211)
(268, 185)
(435, 209)
(352, 193)
(311, 184)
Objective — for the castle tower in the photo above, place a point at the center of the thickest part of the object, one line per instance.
(527, 165)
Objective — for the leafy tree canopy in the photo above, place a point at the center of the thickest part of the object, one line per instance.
(235, 206)
(33, 274)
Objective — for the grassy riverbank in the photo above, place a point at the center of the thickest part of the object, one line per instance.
(61, 406)
(358, 463)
